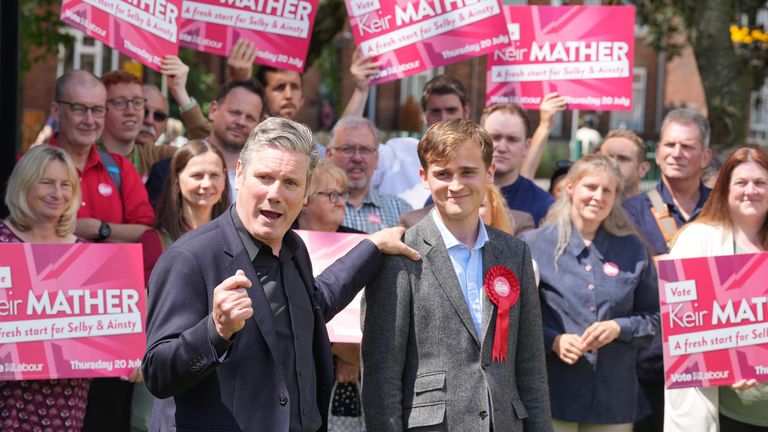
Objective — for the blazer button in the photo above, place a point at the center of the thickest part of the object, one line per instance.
(283, 400)
(483, 414)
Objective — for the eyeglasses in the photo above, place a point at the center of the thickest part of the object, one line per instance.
(349, 151)
(80, 110)
(158, 116)
(122, 103)
(333, 195)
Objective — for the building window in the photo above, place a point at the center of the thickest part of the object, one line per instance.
(86, 53)
(758, 116)
(635, 118)
(414, 84)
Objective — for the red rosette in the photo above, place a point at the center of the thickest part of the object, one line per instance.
(503, 290)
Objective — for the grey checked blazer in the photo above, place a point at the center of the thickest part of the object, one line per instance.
(423, 364)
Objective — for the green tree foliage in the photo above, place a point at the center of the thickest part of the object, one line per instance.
(201, 84)
(729, 71)
(40, 31)
(329, 20)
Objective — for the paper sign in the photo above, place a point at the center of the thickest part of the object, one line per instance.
(280, 29)
(584, 53)
(714, 316)
(71, 310)
(145, 30)
(410, 36)
(324, 249)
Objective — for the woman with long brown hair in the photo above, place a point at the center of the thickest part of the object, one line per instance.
(197, 192)
(734, 220)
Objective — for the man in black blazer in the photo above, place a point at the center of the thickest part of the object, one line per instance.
(236, 336)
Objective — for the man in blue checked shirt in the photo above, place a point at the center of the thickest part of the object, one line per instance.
(354, 148)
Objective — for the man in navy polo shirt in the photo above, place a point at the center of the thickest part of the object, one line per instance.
(509, 127)
(682, 154)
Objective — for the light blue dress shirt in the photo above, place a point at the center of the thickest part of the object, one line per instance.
(468, 266)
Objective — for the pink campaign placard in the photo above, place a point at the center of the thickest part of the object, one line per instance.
(714, 323)
(280, 29)
(145, 30)
(410, 36)
(325, 248)
(70, 310)
(584, 53)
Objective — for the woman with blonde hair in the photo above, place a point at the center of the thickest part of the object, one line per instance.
(734, 220)
(327, 196)
(43, 196)
(494, 210)
(598, 297)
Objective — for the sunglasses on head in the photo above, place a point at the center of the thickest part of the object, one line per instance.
(158, 116)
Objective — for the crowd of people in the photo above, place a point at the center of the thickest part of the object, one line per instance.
(502, 307)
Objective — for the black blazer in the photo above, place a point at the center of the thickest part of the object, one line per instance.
(245, 390)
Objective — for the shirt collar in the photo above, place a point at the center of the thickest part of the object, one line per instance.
(252, 245)
(576, 244)
(666, 197)
(451, 241)
(373, 197)
(93, 158)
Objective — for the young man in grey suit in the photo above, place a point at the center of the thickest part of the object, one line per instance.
(435, 352)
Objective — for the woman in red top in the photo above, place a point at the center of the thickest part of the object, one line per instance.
(43, 197)
(196, 193)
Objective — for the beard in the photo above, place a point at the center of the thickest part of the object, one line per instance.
(230, 144)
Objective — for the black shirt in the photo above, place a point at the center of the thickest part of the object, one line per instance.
(294, 324)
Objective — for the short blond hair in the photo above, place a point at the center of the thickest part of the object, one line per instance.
(28, 171)
(327, 170)
(630, 136)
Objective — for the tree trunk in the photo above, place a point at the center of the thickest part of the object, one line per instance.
(725, 77)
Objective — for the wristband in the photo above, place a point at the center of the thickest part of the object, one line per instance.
(189, 105)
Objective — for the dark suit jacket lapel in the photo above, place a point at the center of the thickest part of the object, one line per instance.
(304, 267)
(439, 263)
(239, 260)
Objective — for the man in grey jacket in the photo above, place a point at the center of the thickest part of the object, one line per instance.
(454, 342)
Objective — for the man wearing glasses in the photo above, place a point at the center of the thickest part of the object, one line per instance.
(354, 148)
(127, 107)
(108, 213)
(509, 128)
(155, 116)
(114, 205)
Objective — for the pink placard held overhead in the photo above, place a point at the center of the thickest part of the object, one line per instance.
(280, 29)
(325, 248)
(71, 311)
(714, 317)
(410, 36)
(145, 30)
(583, 53)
